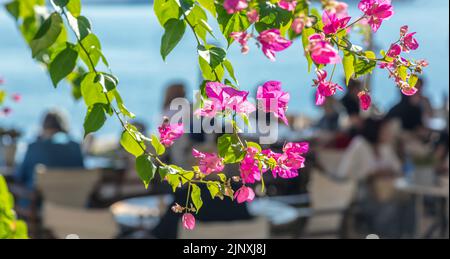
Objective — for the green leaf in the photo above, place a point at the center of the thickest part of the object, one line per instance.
(159, 148)
(173, 180)
(80, 25)
(215, 189)
(174, 31)
(108, 81)
(95, 118)
(208, 5)
(205, 68)
(92, 90)
(307, 32)
(222, 177)
(2, 96)
(47, 34)
(230, 149)
(255, 145)
(13, 8)
(122, 107)
(74, 7)
(92, 46)
(163, 171)
(196, 196)
(319, 24)
(412, 81)
(363, 65)
(166, 10)
(130, 144)
(348, 63)
(63, 64)
(145, 169)
(217, 56)
(213, 55)
(60, 3)
(197, 18)
(231, 23)
(403, 72)
(186, 5)
(229, 67)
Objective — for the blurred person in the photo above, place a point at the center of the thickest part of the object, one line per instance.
(441, 153)
(424, 103)
(330, 118)
(371, 162)
(370, 151)
(350, 101)
(173, 91)
(410, 113)
(54, 147)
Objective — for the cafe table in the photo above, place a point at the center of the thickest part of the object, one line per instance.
(419, 192)
(144, 213)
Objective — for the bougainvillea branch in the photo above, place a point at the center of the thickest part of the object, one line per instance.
(274, 25)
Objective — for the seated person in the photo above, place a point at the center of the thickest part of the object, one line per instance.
(409, 112)
(330, 118)
(53, 148)
(373, 164)
(350, 102)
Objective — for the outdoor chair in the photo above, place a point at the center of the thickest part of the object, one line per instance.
(329, 199)
(66, 193)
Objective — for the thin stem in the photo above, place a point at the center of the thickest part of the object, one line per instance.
(352, 24)
(192, 28)
(332, 72)
(187, 196)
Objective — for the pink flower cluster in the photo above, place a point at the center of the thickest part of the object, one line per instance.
(332, 23)
(376, 11)
(223, 98)
(242, 38)
(406, 43)
(244, 194)
(249, 167)
(168, 133)
(321, 51)
(301, 22)
(271, 41)
(324, 88)
(290, 161)
(188, 221)
(273, 99)
(287, 163)
(340, 9)
(395, 62)
(288, 5)
(253, 15)
(364, 100)
(209, 162)
(234, 6)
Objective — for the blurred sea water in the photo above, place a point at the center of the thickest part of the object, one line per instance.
(130, 36)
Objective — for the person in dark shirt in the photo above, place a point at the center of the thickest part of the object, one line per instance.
(351, 101)
(351, 105)
(409, 112)
(53, 148)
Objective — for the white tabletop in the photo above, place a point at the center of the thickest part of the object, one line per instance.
(405, 185)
